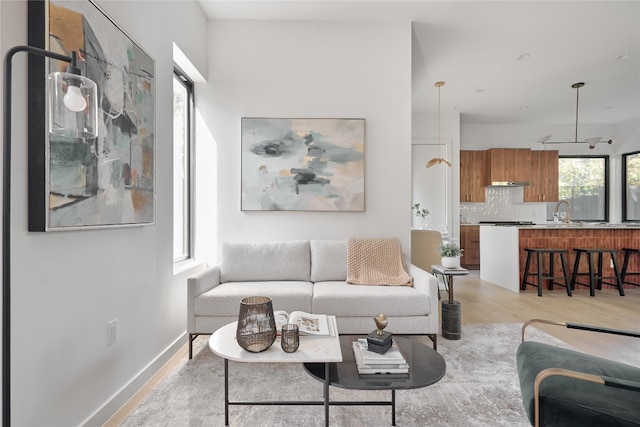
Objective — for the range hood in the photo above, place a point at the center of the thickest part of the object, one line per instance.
(508, 167)
(509, 183)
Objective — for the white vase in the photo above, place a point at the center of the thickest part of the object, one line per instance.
(450, 261)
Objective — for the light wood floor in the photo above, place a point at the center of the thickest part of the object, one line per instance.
(484, 302)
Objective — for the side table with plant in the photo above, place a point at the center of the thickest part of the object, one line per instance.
(450, 253)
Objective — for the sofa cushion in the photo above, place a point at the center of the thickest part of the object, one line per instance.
(224, 299)
(264, 261)
(328, 260)
(341, 299)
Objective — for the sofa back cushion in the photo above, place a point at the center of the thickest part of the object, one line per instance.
(264, 261)
(328, 260)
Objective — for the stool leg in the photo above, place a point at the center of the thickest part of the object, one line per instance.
(540, 281)
(592, 280)
(576, 264)
(551, 272)
(599, 276)
(563, 261)
(523, 285)
(625, 263)
(614, 259)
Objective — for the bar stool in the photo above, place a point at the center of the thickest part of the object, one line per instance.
(625, 263)
(596, 279)
(545, 275)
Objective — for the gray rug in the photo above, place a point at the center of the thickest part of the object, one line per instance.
(480, 388)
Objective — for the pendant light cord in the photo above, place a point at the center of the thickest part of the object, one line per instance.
(577, 104)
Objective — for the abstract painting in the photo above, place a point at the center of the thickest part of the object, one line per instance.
(302, 164)
(105, 181)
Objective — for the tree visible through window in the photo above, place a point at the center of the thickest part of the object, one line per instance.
(631, 186)
(182, 113)
(584, 183)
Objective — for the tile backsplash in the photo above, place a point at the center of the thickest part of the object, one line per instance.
(503, 204)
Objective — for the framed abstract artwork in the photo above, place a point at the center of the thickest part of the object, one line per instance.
(302, 164)
(108, 181)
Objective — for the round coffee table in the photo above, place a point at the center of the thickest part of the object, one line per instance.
(426, 367)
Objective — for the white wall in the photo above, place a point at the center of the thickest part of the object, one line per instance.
(313, 70)
(483, 136)
(67, 285)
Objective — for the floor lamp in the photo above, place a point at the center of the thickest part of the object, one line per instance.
(72, 112)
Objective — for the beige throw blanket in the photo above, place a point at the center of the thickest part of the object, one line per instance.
(376, 262)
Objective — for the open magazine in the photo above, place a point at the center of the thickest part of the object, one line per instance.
(308, 324)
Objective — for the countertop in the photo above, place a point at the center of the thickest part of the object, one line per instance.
(575, 225)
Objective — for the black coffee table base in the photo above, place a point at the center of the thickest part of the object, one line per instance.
(426, 367)
(326, 402)
(316, 370)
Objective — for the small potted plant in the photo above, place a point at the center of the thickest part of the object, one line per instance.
(450, 253)
(422, 214)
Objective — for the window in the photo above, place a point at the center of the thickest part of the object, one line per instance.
(182, 135)
(584, 182)
(631, 186)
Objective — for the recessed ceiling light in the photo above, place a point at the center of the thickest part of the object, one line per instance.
(523, 57)
(524, 107)
(479, 90)
(623, 57)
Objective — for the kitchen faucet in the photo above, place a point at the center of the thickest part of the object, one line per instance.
(567, 220)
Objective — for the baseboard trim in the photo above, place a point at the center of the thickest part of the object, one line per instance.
(101, 416)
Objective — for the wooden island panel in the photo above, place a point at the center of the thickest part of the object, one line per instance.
(578, 237)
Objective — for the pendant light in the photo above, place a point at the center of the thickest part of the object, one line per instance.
(591, 141)
(438, 160)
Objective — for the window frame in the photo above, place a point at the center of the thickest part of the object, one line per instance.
(189, 191)
(624, 216)
(607, 182)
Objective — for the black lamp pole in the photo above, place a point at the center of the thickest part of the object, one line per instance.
(6, 223)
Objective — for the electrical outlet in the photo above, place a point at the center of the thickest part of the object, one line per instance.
(112, 331)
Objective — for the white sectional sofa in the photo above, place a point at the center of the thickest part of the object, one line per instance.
(308, 276)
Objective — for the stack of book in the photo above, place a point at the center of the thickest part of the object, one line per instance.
(369, 362)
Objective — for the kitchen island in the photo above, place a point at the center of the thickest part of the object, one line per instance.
(502, 255)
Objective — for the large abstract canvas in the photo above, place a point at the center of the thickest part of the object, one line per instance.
(303, 164)
(109, 180)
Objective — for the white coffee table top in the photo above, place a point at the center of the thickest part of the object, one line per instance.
(313, 349)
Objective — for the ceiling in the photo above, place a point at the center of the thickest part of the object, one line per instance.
(474, 47)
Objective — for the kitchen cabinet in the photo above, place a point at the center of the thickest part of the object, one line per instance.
(544, 177)
(506, 165)
(472, 176)
(470, 242)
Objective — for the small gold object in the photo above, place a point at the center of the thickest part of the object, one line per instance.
(381, 323)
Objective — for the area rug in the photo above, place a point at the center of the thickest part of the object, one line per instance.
(480, 388)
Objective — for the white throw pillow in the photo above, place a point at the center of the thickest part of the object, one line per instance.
(328, 260)
(264, 261)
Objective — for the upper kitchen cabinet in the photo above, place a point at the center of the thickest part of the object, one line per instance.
(544, 177)
(508, 166)
(472, 175)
